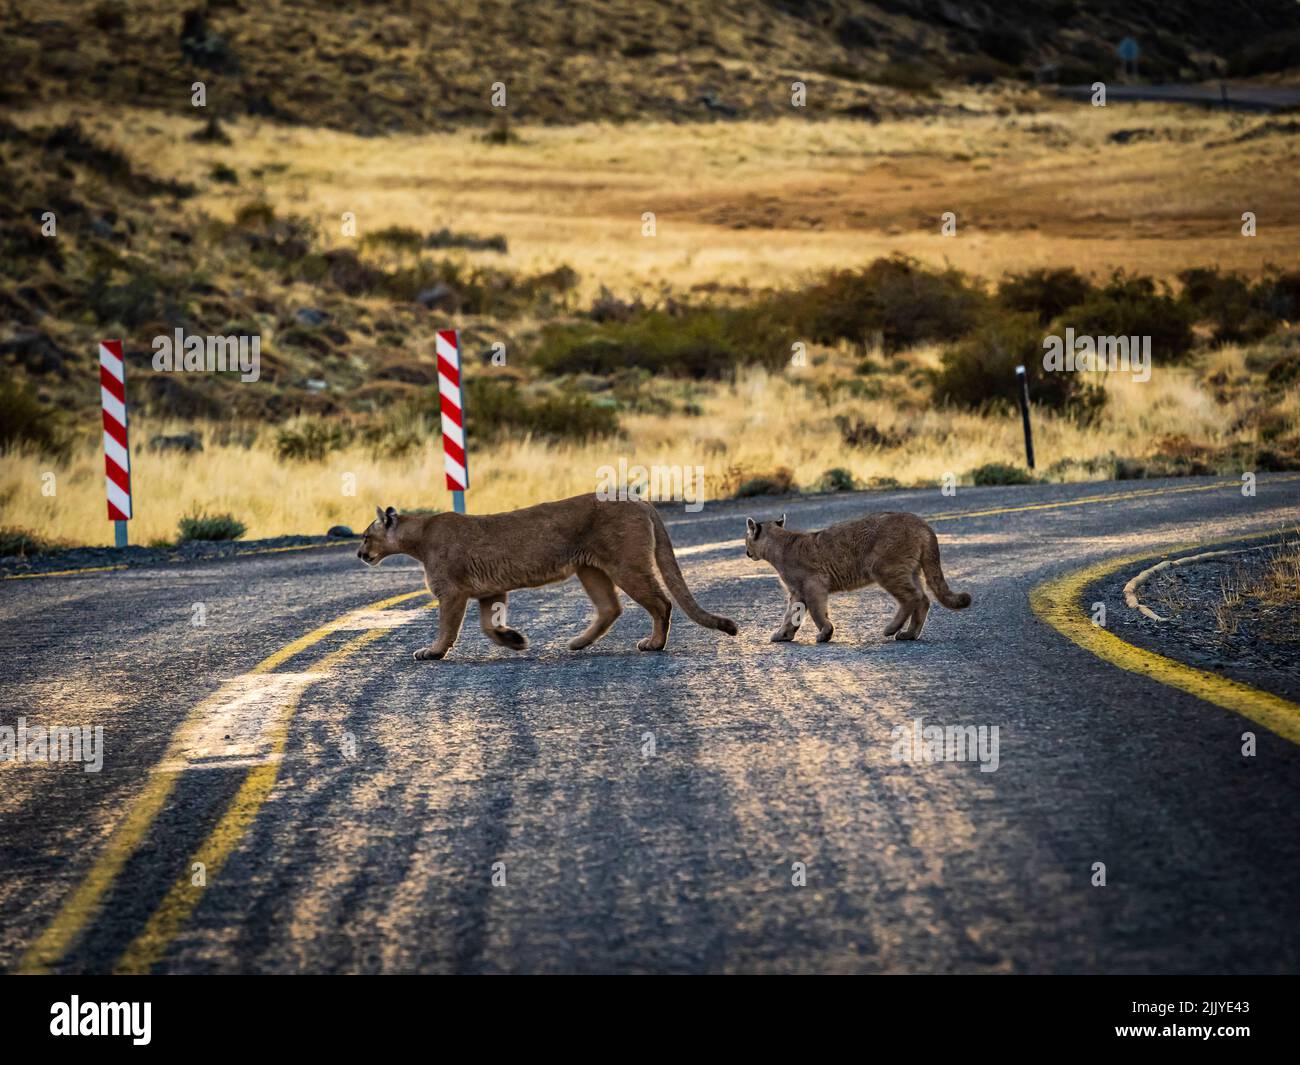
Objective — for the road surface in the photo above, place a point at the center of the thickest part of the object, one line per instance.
(285, 791)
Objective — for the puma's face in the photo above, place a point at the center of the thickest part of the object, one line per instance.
(377, 543)
(757, 538)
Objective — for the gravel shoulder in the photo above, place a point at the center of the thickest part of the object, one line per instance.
(81, 558)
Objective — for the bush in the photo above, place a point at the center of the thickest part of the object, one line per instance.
(311, 441)
(201, 526)
(980, 372)
(1238, 310)
(1131, 306)
(1044, 293)
(26, 421)
(496, 408)
(777, 483)
(999, 473)
(896, 299)
(694, 343)
(20, 542)
(837, 479)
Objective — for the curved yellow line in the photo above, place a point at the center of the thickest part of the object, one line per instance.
(84, 903)
(1057, 602)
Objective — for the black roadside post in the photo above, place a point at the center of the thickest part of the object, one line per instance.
(1023, 381)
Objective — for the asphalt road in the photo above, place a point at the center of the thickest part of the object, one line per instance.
(351, 808)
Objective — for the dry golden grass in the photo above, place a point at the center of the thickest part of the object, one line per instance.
(752, 204)
(762, 203)
(751, 426)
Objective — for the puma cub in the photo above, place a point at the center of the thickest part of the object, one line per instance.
(608, 544)
(890, 549)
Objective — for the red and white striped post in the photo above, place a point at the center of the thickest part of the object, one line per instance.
(455, 461)
(117, 453)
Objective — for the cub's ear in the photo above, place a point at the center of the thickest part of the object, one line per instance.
(754, 527)
(780, 521)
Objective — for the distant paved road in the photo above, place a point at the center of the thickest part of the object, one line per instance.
(350, 807)
(1226, 94)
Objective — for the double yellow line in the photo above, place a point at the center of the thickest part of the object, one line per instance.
(85, 902)
(1056, 602)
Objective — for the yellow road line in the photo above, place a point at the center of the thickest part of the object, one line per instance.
(1110, 497)
(175, 909)
(61, 572)
(84, 903)
(1057, 602)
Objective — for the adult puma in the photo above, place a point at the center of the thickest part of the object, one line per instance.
(607, 544)
(892, 549)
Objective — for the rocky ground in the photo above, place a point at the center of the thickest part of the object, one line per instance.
(1212, 625)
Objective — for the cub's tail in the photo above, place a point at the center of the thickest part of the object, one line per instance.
(672, 576)
(934, 577)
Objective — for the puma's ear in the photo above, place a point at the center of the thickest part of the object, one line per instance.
(780, 521)
(390, 518)
(752, 526)
(379, 515)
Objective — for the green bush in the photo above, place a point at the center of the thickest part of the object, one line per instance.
(495, 408)
(896, 299)
(777, 483)
(201, 526)
(26, 421)
(693, 343)
(1044, 293)
(20, 542)
(1238, 310)
(1000, 473)
(980, 372)
(311, 441)
(1131, 306)
(837, 479)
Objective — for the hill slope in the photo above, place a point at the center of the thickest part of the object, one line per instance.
(419, 65)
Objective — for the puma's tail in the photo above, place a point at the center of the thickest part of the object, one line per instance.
(672, 576)
(934, 577)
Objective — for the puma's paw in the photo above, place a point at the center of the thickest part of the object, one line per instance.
(649, 644)
(428, 654)
(824, 635)
(781, 636)
(905, 635)
(516, 641)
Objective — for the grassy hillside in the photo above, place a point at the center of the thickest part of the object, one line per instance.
(418, 65)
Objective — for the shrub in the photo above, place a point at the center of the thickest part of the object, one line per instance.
(1131, 306)
(895, 298)
(1238, 310)
(1000, 473)
(777, 483)
(837, 479)
(25, 420)
(696, 343)
(311, 441)
(980, 372)
(496, 408)
(1044, 293)
(20, 542)
(402, 238)
(201, 526)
